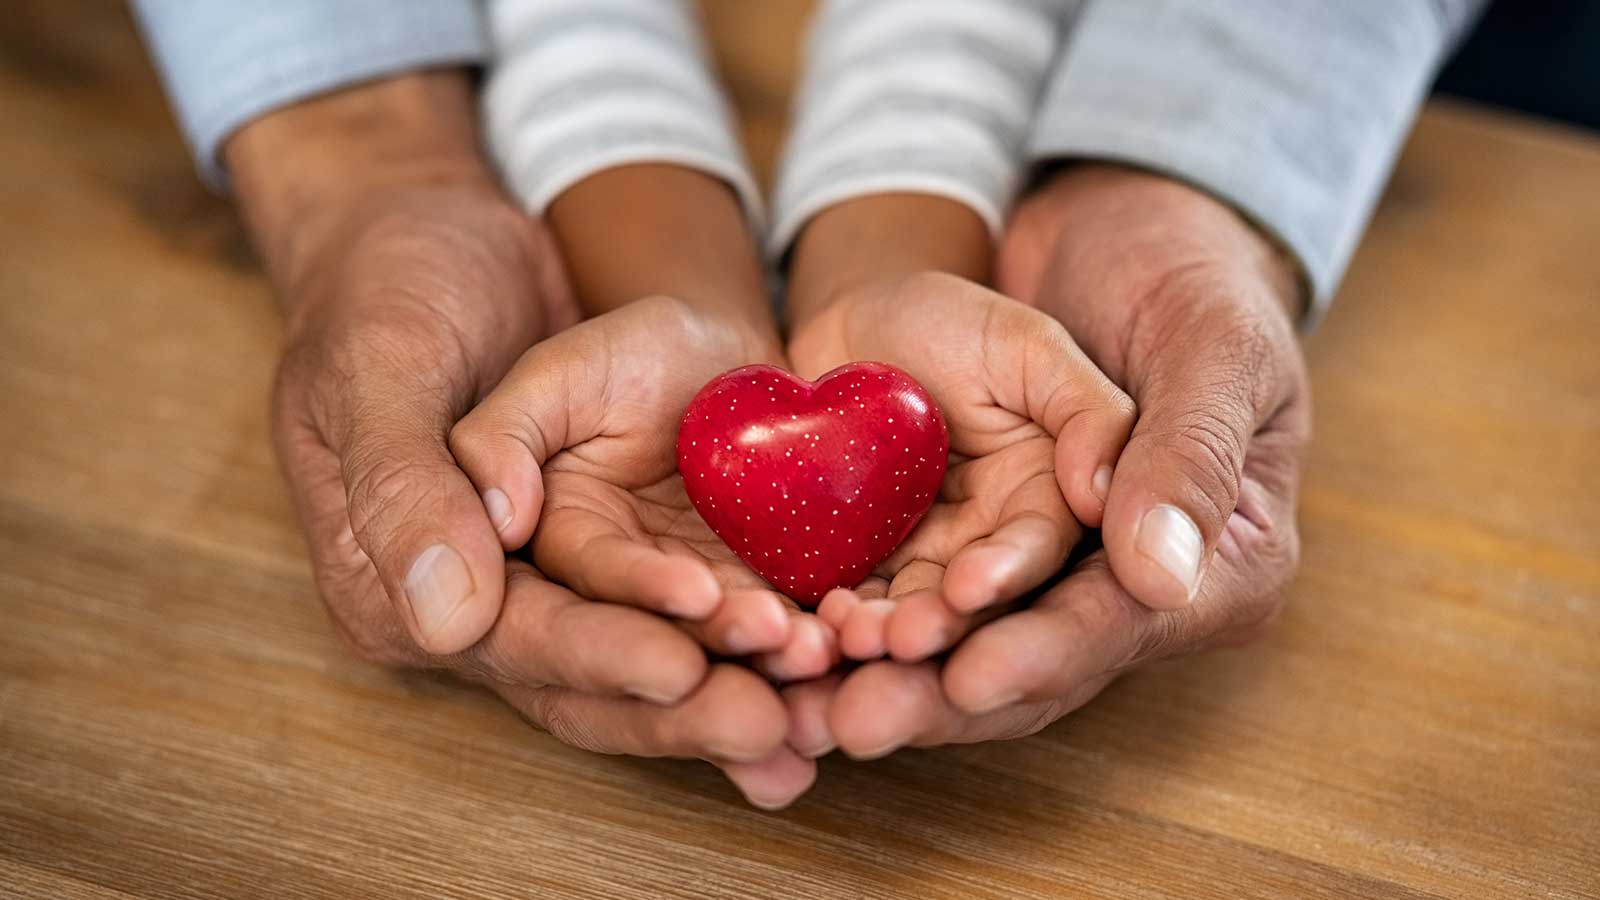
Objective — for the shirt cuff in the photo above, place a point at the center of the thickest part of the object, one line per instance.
(1292, 111)
(224, 64)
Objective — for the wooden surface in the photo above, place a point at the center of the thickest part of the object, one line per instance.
(176, 719)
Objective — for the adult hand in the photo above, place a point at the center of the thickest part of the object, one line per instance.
(1035, 430)
(1190, 310)
(584, 428)
(411, 285)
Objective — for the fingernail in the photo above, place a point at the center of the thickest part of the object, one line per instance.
(1002, 699)
(820, 751)
(932, 642)
(651, 695)
(499, 508)
(1169, 538)
(436, 586)
(738, 640)
(877, 753)
(1100, 484)
(773, 804)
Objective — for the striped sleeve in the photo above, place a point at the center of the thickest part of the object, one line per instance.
(579, 86)
(1291, 110)
(920, 96)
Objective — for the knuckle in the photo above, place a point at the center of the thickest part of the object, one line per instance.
(1036, 719)
(486, 435)
(548, 710)
(468, 437)
(1208, 456)
(1164, 634)
(386, 487)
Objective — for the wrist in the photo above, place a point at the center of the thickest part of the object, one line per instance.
(881, 237)
(1191, 227)
(647, 229)
(304, 174)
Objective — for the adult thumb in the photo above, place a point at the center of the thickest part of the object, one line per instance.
(417, 516)
(1202, 395)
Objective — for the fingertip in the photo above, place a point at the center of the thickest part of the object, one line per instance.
(811, 651)
(1003, 662)
(682, 586)
(1084, 475)
(881, 707)
(862, 636)
(808, 704)
(1159, 557)
(774, 783)
(920, 626)
(740, 717)
(757, 621)
(836, 605)
(451, 605)
(671, 674)
(974, 578)
(506, 475)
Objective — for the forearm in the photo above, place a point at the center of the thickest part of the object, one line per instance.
(638, 230)
(881, 236)
(302, 172)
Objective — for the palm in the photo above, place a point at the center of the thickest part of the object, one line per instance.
(1031, 421)
(590, 495)
(1002, 470)
(581, 438)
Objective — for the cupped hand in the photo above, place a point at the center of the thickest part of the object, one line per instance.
(1035, 432)
(577, 449)
(411, 285)
(392, 336)
(1190, 310)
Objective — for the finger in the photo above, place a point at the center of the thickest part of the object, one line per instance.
(923, 624)
(1028, 546)
(862, 636)
(881, 705)
(598, 559)
(884, 706)
(836, 605)
(413, 512)
(547, 635)
(809, 703)
(1089, 416)
(775, 782)
(1177, 483)
(1084, 628)
(811, 651)
(732, 716)
(746, 622)
(359, 607)
(504, 442)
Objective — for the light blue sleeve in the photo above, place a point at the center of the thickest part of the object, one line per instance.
(224, 62)
(1291, 110)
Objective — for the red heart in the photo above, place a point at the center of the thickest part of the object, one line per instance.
(813, 485)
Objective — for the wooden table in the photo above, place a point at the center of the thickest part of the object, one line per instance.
(176, 719)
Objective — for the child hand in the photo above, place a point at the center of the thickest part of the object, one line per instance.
(1035, 430)
(576, 449)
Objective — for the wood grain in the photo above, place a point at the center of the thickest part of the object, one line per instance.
(177, 720)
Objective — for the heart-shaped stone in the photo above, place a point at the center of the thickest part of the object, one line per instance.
(813, 485)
